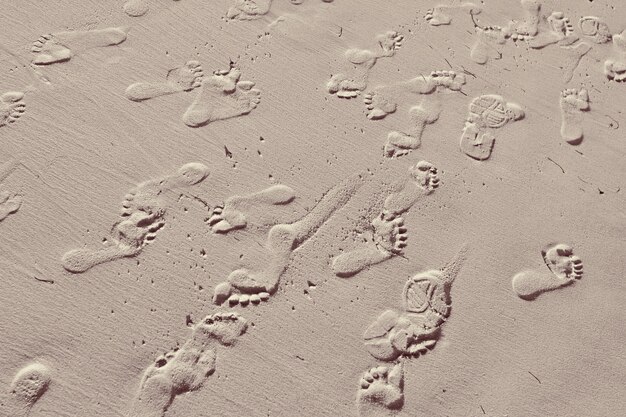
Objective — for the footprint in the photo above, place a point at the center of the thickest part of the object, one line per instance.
(282, 240)
(142, 216)
(398, 143)
(249, 9)
(11, 107)
(484, 48)
(565, 269)
(381, 391)
(561, 32)
(486, 112)
(27, 387)
(185, 369)
(9, 204)
(439, 16)
(62, 46)
(233, 215)
(183, 78)
(222, 96)
(136, 8)
(615, 70)
(595, 29)
(389, 235)
(573, 103)
(384, 100)
(353, 80)
(528, 26)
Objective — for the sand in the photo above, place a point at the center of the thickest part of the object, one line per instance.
(312, 208)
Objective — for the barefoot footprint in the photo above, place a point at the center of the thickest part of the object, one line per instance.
(389, 234)
(142, 216)
(249, 9)
(565, 268)
(234, 213)
(438, 16)
(244, 286)
(381, 389)
(573, 103)
(62, 46)
(11, 107)
(183, 78)
(353, 80)
(486, 112)
(222, 96)
(136, 8)
(28, 386)
(561, 32)
(399, 143)
(185, 369)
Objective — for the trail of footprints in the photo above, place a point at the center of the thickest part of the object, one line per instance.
(395, 335)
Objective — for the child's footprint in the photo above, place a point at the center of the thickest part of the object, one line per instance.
(381, 390)
(11, 107)
(62, 46)
(27, 387)
(222, 96)
(183, 78)
(565, 269)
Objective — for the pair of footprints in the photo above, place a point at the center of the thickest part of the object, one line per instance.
(398, 335)
(222, 96)
(142, 216)
(388, 234)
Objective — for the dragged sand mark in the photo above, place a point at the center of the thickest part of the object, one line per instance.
(28, 386)
(185, 369)
(381, 391)
(353, 79)
(595, 29)
(248, 9)
(182, 78)
(389, 236)
(416, 329)
(440, 15)
(142, 216)
(62, 46)
(383, 101)
(245, 286)
(573, 56)
(486, 113)
(222, 96)
(565, 268)
(12, 107)
(233, 214)
(573, 103)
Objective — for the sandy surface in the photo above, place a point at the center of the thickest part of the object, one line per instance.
(219, 208)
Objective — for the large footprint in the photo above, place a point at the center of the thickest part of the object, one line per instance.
(183, 78)
(565, 268)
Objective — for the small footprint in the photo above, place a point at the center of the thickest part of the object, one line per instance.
(384, 100)
(565, 268)
(595, 29)
(222, 96)
(427, 305)
(249, 9)
(12, 107)
(381, 391)
(399, 143)
(142, 216)
(353, 80)
(486, 112)
(439, 16)
(62, 46)
(243, 286)
(233, 214)
(185, 369)
(573, 103)
(561, 32)
(615, 70)
(28, 386)
(389, 236)
(183, 78)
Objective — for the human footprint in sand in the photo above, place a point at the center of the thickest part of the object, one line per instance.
(222, 96)
(29, 384)
(400, 143)
(381, 391)
(388, 234)
(11, 107)
(185, 369)
(248, 9)
(143, 213)
(353, 79)
(62, 46)
(565, 268)
(573, 103)
(244, 286)
(183, 78)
